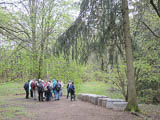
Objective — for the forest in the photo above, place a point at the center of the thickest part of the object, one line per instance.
(115, 42)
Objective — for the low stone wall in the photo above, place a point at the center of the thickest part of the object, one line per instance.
(103, 101)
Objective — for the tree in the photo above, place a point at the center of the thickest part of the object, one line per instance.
(35, 26)
(99, 26)
(132, 100)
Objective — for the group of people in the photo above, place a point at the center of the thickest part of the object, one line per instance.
(41, 90)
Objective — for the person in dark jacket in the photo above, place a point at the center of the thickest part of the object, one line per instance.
(58, 88)
(68, 88)
(48, 93)
(26, 88)
(72, 89)
(40, 90)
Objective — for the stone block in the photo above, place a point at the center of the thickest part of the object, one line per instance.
(84, 97)
(94, 99)
(101, 100)
(79, 96)
(90, 97)
(104, 102)
(119, 106)
(111, 101)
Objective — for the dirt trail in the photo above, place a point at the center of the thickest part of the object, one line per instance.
(67, 110)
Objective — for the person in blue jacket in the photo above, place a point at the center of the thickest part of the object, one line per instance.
(72, 90)
(54, 90)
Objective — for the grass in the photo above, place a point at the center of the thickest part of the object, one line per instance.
(100, 88)
(11, 88)
(8, 108)
(94, 87)
(97, 87)
(11, 111)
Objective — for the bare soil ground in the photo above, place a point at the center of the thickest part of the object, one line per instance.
(67, 110)
(61, 110)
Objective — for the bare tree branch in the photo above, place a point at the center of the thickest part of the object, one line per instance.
(155, 7)
(11, 32)
(151, 30)
(6, 3)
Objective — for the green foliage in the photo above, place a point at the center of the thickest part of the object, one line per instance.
(5, 17)
(93, 73)
(117, 76)
(17, 67)
(60, 69)
(147, 76)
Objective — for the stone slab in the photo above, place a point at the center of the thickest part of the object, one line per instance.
(111, 101)
(91, 98)
(79, 96)
(94, 99)
(119, 106)
(102, 101)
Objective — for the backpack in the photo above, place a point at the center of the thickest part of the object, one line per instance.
(69, 87)
(26, 86)
(58, 87)
(40, 87)
(72, 87)
(33, 85)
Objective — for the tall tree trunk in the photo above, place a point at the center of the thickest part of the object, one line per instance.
(132, 100)
(102, 64)
(159, 5)
(41, 59)
(32, 4)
